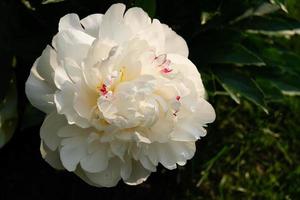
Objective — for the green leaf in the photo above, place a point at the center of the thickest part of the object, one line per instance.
(28, 4)
(237, 55)
(280, 3)
(261, 10)
(148, 5)
(293, 8)
(8, 114)
(271, 91)
(51, 1)
(239, 85)
(271, 25)
(287, 61)
(288, 84)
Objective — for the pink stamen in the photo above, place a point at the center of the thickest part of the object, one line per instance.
(166, 70)
(178, 98)
(103, 89)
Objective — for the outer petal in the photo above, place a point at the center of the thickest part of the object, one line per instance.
(172, 153)
(137, 19)
(74, 148)
(73, 44)
(186, 67)
(47, 64)
(204, 112)
(138, 174)
(175, 43)
(51, 157)
(112, 26)
(109, 177)
(96, 161)
(70, 21)
(39, 93)
(91, 24)
(154, 35)
(52, 123)
(183, 151)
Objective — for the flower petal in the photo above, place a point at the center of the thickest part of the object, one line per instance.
(112, 26)
(96, 161)
(72, 151)
(70, 21)
(52, 123)
(186, 67)
(92, 24)
(39, 93)
(73, 44)
(51, 157)
(109, 177)
(46, 65)
(137, 19)
(138, 174)
(175, 43)
(64, 101)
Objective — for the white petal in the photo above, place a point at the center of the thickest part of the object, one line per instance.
(60, 77)
(154, 35)
(152, 154)
(205, 113)
(109, 177)
(126, 168)
(92, 24)
(64, 101)
(72, 70)
(73, 44)
(39, 93)
(98, 52)
(46, 65)
(112, 26)
(138, 174)
(51, 157)
(70, 131)
(96, 161)
(92, 77)
(72, 151)
(166, 155)
(175, 43)
(52, 123)
(190, 71)
(161, 130)
(81, 173)
(187, 132)
(183, 151)
(137, 19)
(70, 21)
(139, 138)
(85, 100)
(146, 163)
(119, 148)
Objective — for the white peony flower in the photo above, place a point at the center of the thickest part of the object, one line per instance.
(120, 95)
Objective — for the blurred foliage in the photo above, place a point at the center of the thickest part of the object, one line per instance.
(248, 53)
